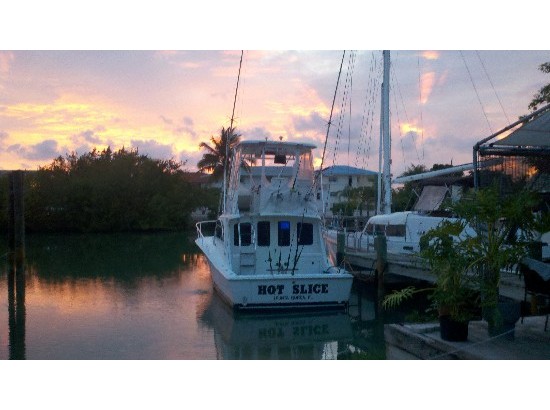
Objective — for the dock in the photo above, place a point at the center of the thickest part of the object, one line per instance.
(407, 267)
(526, 341)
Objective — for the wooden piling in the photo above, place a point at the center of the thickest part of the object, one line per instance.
(18, 219)
(340, 247)
(381, 248)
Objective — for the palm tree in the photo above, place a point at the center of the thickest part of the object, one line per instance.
(213, 160)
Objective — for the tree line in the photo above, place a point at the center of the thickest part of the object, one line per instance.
(108, 191)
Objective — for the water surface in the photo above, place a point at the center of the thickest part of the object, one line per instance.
(149, 296)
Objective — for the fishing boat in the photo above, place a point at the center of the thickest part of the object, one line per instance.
(266, 249)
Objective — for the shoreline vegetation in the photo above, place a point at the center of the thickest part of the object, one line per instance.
(109, 191)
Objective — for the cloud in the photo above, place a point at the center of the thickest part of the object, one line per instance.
(186, 127)
(430, 55)
(44, 150)
(257, 133)
(88, 136)
(427, 81)
(314, 121)
(165, 120)
(153, 149)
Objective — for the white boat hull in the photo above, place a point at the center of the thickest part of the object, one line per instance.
(277, 291)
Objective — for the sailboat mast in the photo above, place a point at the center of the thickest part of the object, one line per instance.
(386, 133)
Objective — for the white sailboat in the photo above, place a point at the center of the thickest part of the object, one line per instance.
(402, 230)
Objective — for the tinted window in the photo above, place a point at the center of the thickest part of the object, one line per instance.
(304, 233)
(263, 233)
(246, 234)
(284, 233)
(395, 230)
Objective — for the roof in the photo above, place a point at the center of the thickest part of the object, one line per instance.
(273, 147)
(535, 133)
(532, 137)
(336, 170)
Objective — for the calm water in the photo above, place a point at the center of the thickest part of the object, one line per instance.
(150, 297)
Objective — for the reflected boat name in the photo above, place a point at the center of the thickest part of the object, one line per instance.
(296, 289)
(294, 331)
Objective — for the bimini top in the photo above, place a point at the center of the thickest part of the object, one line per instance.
(273, 147)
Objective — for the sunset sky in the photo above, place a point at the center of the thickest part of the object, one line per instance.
(166, 102)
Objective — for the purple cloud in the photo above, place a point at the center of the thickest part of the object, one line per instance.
(44, 150)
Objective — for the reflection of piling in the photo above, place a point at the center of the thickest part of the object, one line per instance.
(16, 265)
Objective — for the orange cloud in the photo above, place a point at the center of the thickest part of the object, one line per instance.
(406, 128)
(430, 55)
(427, 81)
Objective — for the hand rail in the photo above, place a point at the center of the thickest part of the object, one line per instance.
(198, 225)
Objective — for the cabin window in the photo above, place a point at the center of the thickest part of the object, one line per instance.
(263, 233)
(350, 181)
(284, 233)
(332, 179)
(379, 229)
(304, 232)
(395, 230)
(246, 234)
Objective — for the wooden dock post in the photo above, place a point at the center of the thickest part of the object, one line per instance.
(340, 247)
(381, 248)
(16, 218)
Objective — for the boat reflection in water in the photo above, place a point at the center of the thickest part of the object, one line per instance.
(304, 335)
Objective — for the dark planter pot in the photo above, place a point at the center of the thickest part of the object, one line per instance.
(501, 320)
(452, 330)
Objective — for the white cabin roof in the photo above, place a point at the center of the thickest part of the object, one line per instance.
(273, 147)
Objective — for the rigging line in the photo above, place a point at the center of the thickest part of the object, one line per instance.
(352, 68)
(229, 134)
(331, 110)
(492, 86)
(396, 85)
(236, 90)
(375, 85)
(475, 89)
(420, 104)
(364, 119)
(405, 111)
(341, 112)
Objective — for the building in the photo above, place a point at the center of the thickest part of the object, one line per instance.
(338, 179)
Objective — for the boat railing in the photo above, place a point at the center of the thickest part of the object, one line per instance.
(208, 226)
(354, 240)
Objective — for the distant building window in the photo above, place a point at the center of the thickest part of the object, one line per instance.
(318, 196)
(264, 233)
(304, 233)
(246, 234)
(350, 181)
(332, 179)
(284, 233)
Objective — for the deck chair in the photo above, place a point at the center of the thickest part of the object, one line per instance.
(537, 286)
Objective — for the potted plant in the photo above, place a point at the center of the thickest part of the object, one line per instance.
(455, 293)
(456, 287)
(504, 229)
